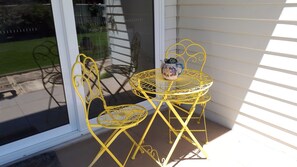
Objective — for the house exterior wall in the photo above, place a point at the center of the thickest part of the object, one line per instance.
(251, 47)
(170, 22)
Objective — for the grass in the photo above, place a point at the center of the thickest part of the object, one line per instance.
(100, 45)
(17, 56)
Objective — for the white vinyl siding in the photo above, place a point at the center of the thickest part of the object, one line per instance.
(170, 22)
(252, 57)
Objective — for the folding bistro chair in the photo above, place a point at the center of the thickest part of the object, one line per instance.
(86, 82)
(47, 59)
(193, 56)
(126, 69)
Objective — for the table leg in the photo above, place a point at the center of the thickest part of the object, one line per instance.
(173, 129)
(148, 126)
(153, 117)
(185, 127)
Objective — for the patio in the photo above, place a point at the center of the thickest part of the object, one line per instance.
(226, 148)
(251, 55)
(81, 153)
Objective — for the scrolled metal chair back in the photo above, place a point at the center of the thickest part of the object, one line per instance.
(87, 83)
(46, 57)
(190, 54)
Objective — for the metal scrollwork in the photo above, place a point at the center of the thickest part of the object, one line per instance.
(187, 52)
(152, 152)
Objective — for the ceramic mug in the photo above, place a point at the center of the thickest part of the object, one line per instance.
(171, 69)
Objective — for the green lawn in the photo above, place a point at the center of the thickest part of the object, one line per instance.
(99, 43)
(17, 56)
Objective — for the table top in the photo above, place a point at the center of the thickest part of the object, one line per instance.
(190, 82)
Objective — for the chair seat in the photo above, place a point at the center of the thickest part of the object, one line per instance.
(118, 69)
(204, 99)
(55, 78)
(122, 116)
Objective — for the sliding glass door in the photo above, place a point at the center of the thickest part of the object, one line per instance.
(119, 35)
(39, 40)
(32, 98)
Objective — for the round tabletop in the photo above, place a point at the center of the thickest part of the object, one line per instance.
(189, 84)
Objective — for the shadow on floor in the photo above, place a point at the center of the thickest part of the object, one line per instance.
(32, 124)
(80, 154)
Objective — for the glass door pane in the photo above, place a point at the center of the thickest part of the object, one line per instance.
(119, 35)
(31, 86)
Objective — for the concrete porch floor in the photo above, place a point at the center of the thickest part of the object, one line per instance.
(226, 148)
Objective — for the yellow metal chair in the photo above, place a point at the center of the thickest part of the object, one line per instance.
(193, 56)
(86, 82)
(126, 69)
(47, 59)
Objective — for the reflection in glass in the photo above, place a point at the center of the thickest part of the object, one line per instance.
(31, 88)
(118, 34)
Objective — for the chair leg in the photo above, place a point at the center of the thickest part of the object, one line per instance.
(51, 94)
(202, 114)
(109, 138)
(122, 85)
(106, 89)
(134, 144)
(108, 142)
(105, 145)
(169, 130)
(51, 97)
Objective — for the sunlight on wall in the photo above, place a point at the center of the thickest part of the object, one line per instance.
(269, 110)
(269, 103)
(278, 46)
(283, 78)
(279, 61)
(289, 13)
(285, 30)
(278, 91)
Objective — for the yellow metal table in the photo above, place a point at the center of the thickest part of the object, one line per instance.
(150, 84)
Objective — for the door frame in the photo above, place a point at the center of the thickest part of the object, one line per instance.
(64, 21)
